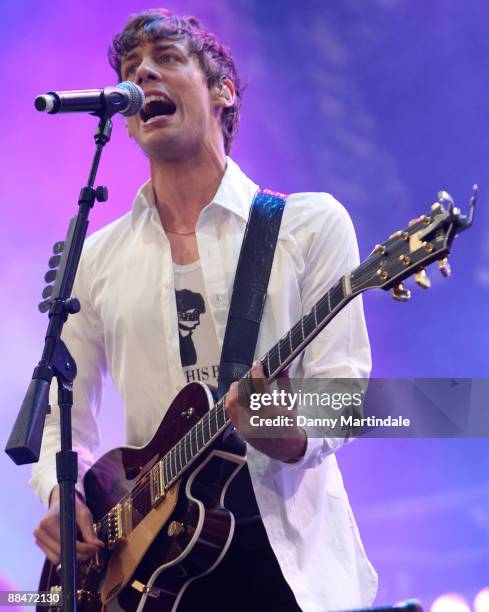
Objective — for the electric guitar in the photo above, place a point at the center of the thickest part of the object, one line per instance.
(159, 509)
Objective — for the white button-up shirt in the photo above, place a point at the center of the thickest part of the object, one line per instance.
(128, 327)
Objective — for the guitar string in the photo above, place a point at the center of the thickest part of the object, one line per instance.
(143, 486)
(295, 333)
(193, 435)
(296, 330)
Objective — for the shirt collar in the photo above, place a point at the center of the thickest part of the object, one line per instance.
(235, 193)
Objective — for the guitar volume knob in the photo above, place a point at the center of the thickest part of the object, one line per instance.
(175, 528)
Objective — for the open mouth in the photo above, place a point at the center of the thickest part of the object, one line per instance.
(156, 106)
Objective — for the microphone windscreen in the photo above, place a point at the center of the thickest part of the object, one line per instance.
(136, 98)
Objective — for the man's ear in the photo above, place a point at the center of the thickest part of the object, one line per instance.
(225, 93)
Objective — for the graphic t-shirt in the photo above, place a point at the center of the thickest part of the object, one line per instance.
(199, 350)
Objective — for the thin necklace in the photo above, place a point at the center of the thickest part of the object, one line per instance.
(178, 233)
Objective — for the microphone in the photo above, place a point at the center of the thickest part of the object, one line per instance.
(126, 98)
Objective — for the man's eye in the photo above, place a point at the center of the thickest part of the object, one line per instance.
(169, 58)
(130, 70)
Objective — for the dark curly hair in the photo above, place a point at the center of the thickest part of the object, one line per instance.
(214, 58)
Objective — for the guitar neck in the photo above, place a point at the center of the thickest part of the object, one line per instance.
(275, 361)
(291, 345)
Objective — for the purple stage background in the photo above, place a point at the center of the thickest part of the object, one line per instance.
(380, 102)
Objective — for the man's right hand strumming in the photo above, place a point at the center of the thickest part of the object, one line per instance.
(48, 537)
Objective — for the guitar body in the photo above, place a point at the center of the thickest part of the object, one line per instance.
(165, 546)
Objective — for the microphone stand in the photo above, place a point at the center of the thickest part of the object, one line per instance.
(24, 443)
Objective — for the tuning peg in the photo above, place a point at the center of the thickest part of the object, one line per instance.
(422, 279)
(444, 267)
(400, 294)
(58, 247)
(445, 198)
(413, 222)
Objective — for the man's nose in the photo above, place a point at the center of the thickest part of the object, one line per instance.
(147, 71)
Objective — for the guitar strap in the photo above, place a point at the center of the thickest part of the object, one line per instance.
(250, 287)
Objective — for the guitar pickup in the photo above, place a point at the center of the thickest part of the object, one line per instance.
(157, 484)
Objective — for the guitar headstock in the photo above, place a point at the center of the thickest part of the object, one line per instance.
(408, 252)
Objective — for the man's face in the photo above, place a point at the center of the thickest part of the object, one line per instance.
(180, 115)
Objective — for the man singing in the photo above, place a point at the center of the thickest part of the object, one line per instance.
(296, 545)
